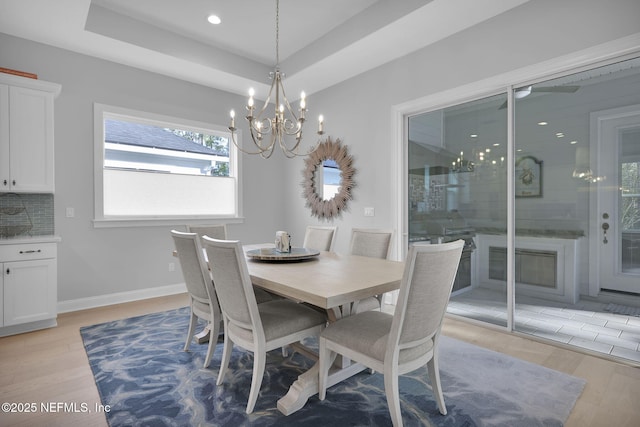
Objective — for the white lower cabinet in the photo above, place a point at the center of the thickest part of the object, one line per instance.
(29, 287)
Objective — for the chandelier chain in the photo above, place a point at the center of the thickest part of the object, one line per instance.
(277, 33)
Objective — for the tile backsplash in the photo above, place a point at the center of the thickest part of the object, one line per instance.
(26, 214)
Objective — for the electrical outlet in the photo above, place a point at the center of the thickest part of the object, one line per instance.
(369, 212)
(172, 266)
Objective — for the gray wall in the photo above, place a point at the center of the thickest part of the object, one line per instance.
(359, 111)
(94, 262)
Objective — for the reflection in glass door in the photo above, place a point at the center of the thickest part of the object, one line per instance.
(457, 189)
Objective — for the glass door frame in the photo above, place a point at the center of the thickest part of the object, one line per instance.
(600, 55)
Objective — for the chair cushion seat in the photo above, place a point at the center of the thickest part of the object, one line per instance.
(282, 317)
(263, 296)
(201, 307)
(368, 333)
(368, 304)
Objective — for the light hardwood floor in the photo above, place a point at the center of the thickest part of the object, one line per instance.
(50, 366)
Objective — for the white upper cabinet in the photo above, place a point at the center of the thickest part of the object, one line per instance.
(26, 135)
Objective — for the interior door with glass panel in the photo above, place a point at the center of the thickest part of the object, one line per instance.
(617, 177)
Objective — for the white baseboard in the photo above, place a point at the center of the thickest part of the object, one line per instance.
(27, 327)
(120, 297)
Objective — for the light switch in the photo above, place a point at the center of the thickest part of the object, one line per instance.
(71, 212)
(369, 212)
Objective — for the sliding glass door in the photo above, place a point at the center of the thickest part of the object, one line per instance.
(578, 136)
(458, 189)
(574, 266)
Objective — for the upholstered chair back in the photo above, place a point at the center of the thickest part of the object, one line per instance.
(319, 238)
(233, 283)
(374, 243)
(194, 270)
(424, 293)
(215, 231)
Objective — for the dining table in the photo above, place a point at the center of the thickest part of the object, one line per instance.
(328, 281)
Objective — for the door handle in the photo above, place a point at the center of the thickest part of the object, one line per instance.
(605, 227)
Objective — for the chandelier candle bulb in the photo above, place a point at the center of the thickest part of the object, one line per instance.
(251, 93)
(303, 105)
(233, 119)
(320, 124)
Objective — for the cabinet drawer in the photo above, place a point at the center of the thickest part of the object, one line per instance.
(27, 251)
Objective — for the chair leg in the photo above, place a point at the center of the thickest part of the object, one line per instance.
(213, 341)
(393, 397)
(192, 325)
(325, 359)
(434, 376)
(259, 360)
(226, 356)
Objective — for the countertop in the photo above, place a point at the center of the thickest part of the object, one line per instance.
(19, 240)
(528, 232)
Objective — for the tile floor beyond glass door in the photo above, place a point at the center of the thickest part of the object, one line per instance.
(586, 324)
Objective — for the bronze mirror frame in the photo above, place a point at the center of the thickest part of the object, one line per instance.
(328, 150)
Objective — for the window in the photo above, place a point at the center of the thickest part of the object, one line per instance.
(161, 169)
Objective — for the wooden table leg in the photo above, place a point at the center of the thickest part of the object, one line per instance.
(307, 385)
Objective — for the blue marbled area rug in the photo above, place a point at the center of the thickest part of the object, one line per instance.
(146, 378)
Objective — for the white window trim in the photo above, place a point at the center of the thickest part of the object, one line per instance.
(102, 221)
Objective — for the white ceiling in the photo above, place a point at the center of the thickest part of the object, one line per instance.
(321, 42)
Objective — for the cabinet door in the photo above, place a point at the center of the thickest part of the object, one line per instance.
(5, 176)
(30, 291)
(31, 140)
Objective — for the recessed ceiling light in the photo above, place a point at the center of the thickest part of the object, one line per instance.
(573, 142)
(543, 123)
(560, 135)
(473, 135)
(214, 19)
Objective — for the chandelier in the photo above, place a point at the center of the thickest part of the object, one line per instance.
(481, 161)
(285, 125)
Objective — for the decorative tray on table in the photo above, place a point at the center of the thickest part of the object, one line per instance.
(271, 254)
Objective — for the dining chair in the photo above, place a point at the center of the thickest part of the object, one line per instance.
(371, 242)
(320, 238)
(374, 243)
(219, 231)
(202, 296)
(258, 328)
(408, 339)
(216, 231)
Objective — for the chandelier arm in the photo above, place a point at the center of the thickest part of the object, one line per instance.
(266, 103)
(293, 152)
(286, 101)
(257, 140)
(235, 142)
